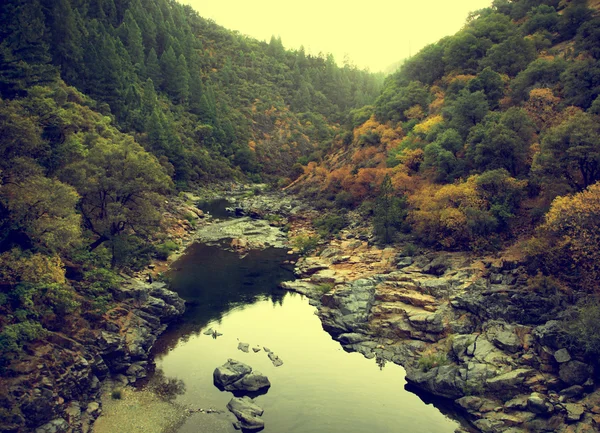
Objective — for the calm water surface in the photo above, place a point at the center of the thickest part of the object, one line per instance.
(319, 388)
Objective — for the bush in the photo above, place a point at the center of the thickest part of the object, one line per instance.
(427, 362)
(305, 243)
(14, 337)
(325, 287)
(164, 250)
(330, 224)
(582, 330)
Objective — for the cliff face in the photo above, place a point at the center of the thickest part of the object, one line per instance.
(56, 386)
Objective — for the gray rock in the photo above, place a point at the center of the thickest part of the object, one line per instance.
(437, 266)
(93, 409)
(244, 347)
(277, 362)
(247, 413)
(507, 340)
(575, 372)
(252, 382)
(137, 370)
(230, 372)
(496, 278)
(537, 403)
(352, 338)
(256, 349)
(237, 376)
(58, 425)
(574, 391)
(404, 262)
(562, 355)
(509, 384)
(574, 411)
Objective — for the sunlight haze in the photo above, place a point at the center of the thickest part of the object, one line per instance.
(374, 34)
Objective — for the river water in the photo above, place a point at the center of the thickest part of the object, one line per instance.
(320, 388)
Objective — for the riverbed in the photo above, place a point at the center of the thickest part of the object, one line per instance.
(319, 387)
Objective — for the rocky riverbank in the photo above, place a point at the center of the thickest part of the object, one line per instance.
(57, 384)
(469, 329)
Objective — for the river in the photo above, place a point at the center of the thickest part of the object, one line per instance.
(319, 388)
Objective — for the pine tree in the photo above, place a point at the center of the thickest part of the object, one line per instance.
(133, 40)
(182, 89)
(168, 66)
(389, 212)
(153, 68)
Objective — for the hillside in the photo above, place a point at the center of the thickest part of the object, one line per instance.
(479, 133)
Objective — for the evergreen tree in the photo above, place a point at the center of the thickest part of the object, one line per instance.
(389, 212)
(182, 88)
(153, 70)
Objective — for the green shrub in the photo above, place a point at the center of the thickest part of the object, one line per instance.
(409, 249)
(164, 250)
(582, 329)
(330, 224)
(428, 362)
(305, 243)
(14, 337)
(325, 287)
(100, 281)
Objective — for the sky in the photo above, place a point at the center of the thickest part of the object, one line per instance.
(373, 34)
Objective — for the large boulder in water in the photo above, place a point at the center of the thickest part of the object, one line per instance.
(237, 376)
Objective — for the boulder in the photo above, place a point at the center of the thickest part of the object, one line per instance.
(574, 411)
(575, 372)
(561, 356)
(237, 376)
(58, 425)
(247, 413)
(230, 372)
(437, 266)
(537, 403)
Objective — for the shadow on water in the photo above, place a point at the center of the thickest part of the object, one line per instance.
(216, 208)
(214, 281)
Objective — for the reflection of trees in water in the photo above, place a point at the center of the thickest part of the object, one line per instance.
(167, 388)
(380, 362)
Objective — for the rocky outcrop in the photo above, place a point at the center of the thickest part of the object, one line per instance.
(465, 329)
(56, 385)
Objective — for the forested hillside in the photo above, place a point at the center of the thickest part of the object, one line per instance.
(109, 107)
(479, 134)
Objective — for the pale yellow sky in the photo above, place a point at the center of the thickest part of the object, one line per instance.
(373, 33)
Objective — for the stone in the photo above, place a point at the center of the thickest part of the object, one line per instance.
(537, 403)
(137, 370)
(404, 262)
(256, 349)
(351, 338)
(244, 347)
(277, 362)
(574, 391)
(247, 412)
(230, 372)
(237, 376)
(562, 355)
(252, 382)
(509, 383)
(58, 425)
(507, 340)
(574, 411)
(437, 266)
(575, 372)
(93, 409)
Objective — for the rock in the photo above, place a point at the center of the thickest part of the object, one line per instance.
(58, 425)
(537, 403)
(548, 334)
(237, 376)
(230, 372)
(496, 278)
(574, 411)
(137, 370)
(574, 391)
(352, 338)
(404, 262)
(93, 409)
(256, 349)
(244, 347)
(562, 355)
(508, 384)
(252, 382)
(247, 413)
(437, 266)
(507, 340)
(575, 372)
(277, 362)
